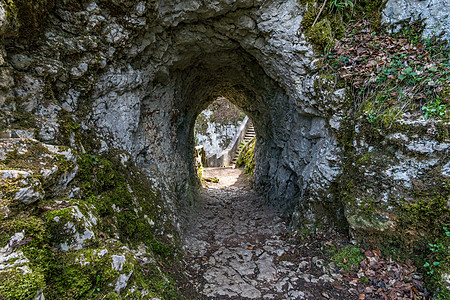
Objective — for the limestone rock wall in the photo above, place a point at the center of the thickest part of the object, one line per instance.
(397, 183)
(60, 208)
(130, 77)
(436, 14)
(135, 75)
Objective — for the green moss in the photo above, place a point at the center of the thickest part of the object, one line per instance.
(428, 213)
(163, 250)
(309, 16)
(8, 189)
(247, 157)
(320, 35)
(348, 257)
(31, 226)
(68, 128)
(17, 285)
(113, 296)
(11, 10)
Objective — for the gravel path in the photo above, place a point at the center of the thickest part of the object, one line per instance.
(237, 248)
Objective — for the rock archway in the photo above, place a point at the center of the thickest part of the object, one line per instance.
(98, 100)
(238, 77)
(136, 74)
(288, 140)
(227, 54)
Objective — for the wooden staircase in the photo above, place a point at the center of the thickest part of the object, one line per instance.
(248, 136)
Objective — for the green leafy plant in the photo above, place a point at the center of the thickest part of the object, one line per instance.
(408, 74)
(434, 108)
(371, 117)
(437, 250)
(437, 260)
(340, 5)
(97, 282)
(95, 160)
(447, 232)
(431, 267)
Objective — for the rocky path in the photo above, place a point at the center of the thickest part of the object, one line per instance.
(237, 248)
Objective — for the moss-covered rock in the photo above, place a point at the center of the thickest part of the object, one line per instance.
(325, 21)
(69, 234)
(70, 228)
(395, 188)
(20, 279)
(320, 34)
(247, 157)
(20, 283)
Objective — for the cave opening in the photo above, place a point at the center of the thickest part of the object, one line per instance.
(221, 131)
(238, 77)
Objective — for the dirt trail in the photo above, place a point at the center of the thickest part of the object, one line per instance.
(237, 249)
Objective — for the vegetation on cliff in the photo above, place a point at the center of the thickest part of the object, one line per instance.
(247, 156)
(98, 226)
(394, 83)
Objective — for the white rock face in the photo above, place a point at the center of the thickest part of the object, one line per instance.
(2, 17)
(117, 262)
(435, 12)
(122, 281)
(217, 136)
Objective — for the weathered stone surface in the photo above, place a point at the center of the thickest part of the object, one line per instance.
(436, 14)
(402, 169)
(28, 189)
(141, 89)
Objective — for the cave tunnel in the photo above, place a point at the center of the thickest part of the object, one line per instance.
(238, 77)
